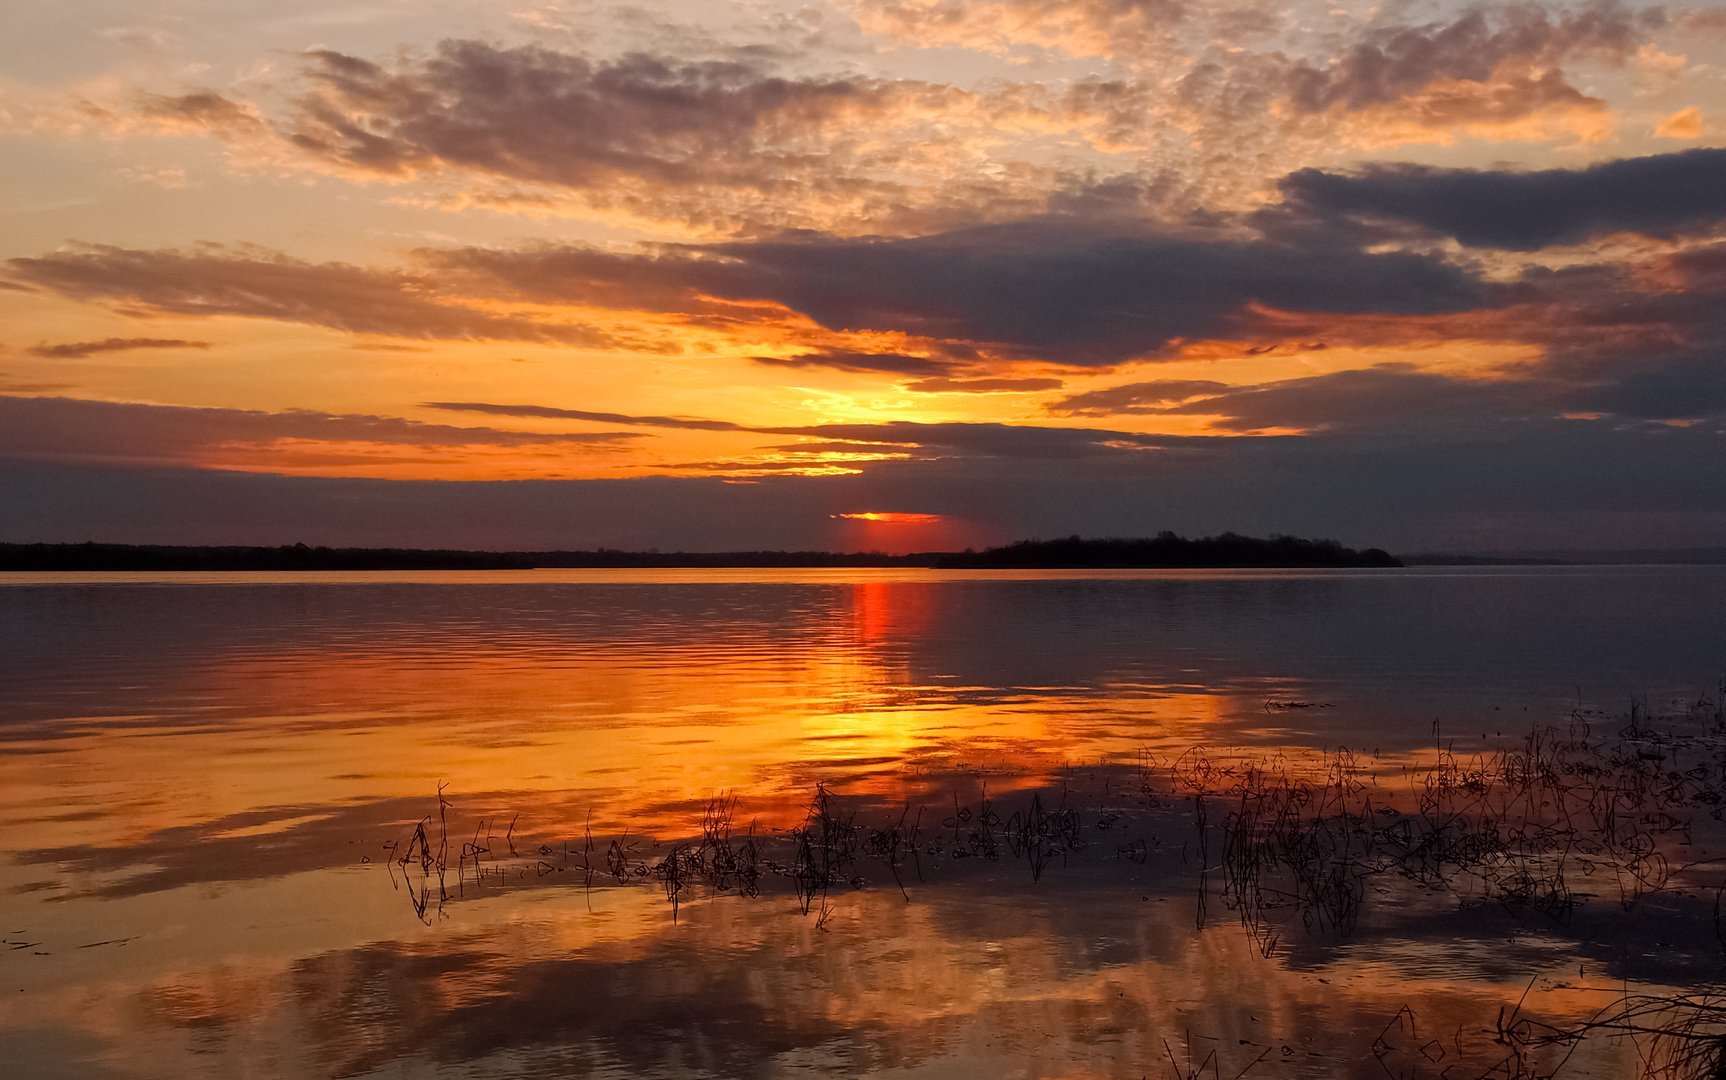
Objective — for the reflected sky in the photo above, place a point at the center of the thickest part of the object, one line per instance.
(198, 779)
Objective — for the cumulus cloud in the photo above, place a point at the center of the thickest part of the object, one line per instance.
(768, 139)
(1494, 72)
(710, 146)
(1080, 27)
(1507, 43)
(1245, 84)
(1661, 195)
(716, 146)
(752, 143)
(744, 145)
(557, 118)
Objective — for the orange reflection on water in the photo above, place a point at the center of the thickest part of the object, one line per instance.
(210, 786)
(650, 713)
(1057, 981)
(884, 611)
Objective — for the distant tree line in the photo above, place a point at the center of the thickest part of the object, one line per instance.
(1170, 551)
(138, 557)
(1164, 550)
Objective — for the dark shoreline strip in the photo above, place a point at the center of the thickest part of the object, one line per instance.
(1164, 551)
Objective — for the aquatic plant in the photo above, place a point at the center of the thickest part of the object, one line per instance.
(1566, 816)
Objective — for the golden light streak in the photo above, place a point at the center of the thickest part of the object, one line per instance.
(891, 517)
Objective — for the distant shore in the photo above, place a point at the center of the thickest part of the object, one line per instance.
(1163, 551)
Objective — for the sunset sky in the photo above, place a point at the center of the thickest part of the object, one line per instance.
(862, 274)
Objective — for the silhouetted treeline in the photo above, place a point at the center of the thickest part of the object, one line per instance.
(287, 557)
(1168, 550)
(301, 557)
(1165, 550)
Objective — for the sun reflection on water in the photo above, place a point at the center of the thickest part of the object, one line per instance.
(203, 784)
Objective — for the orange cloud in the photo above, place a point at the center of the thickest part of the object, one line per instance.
(295, 441)
(1076, 27)
(1683, 124)
(1517, 109)
(254, 283)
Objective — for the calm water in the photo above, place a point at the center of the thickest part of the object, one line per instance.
(207, 785)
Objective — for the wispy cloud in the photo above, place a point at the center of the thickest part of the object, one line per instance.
(72, 429)
(546, 412)
(72, 350)
(261, 284)
(836, 360)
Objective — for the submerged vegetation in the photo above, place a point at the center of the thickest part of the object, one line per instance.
(1584, 820)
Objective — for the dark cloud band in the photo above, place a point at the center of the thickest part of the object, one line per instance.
(1661, 196)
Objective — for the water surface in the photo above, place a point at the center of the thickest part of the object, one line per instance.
(206, 783)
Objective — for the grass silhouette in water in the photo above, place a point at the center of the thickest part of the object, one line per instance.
(1519, 826)
(1587, 815)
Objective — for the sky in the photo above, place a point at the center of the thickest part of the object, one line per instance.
(862, 274)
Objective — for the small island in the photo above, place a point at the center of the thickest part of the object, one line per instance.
(1165, 550)
(1169, 551)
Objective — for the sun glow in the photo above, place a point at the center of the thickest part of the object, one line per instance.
(890, 517)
